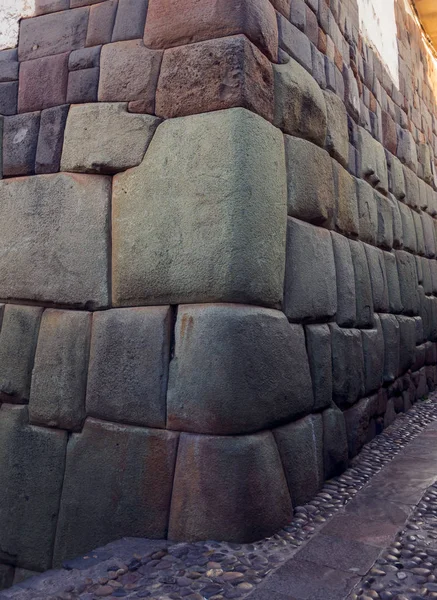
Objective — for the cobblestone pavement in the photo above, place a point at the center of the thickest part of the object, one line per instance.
(348, 542)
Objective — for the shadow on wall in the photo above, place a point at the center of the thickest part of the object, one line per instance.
(11, 11)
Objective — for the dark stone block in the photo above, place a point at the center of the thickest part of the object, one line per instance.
(85, 58)
(335, 447)
(318, 341)
(357, 421)
(43, 7)
(407, 351)
(295, 43)
(344, 268)
(101, 22)
(378, 278)
(408, 282)
(347, 365)
(391, 332)
(130, 20)
(8, 98)
(8, 70)
(20, 140)
(363, 286)
(43, 83)
(50, 139)
(373, 351)
(83, 86)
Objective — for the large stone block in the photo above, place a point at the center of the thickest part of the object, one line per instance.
(181, 226)
(249, 469)
(378, 278)
(43, 83)
(346, 214)
(367, 212)
(407, 149)
(105, 138)
(300, 445)
(50, 139)
(344, 268)
(419, 233)
(8, 98)
(396, 181)
(385, 222)
(18, 337)
(412, 198)
(318, 343)
(310, 182)
(57, 397)
(20, 139)
(407, 344)
(429, 235)
(215, 75)
(310, 291)
(372, 164)
(33, 460)
(398, 233)
(363, 285)
(409, 230)
(337, 139)
(394, 290)
(373, 351)
(357, 421)
(335, 446)
(130, 20)
(172, 23)
(128, 370)
(236, 369)
(118, 482)
(54, 237)
(408, 282)
(300, 107)
(347, 365)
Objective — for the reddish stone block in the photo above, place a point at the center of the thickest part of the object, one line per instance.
(50, 139)
(20, 139)
(172, 23)
(85, 58)
(101, 23)
(322, 42)
(130, 20)
(43, 83)
(311, 26)
(129, 73)
(214, 75)
(389, 133)
(43, 7)
(283, 6)
(8, 98)
(83, 86)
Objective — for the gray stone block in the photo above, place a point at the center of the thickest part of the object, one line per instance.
(411, 188)
(104, 138)
(378, 278)
(407, 345)
(426, 274)
(347, 365)
(346, 216)
(372, 165)
(423, 195)
(406, 149)
(57, 397)
(395, 176)
(363, 285)
(224, 214)
(398, 233)
(408, 228)
(108, 492)
(249, 468)
(394, 290)
(373, 352)
(54, 239)
(18, 338)
(31, 476)
(20, 140)
(344, 268)
(367, 212)
(385, 222)
(337, 139)
(318, 343)
(357, 421)
(310, 182)
(50, 139)
(300, 445)
(428, 234)
(236, 369)
(335, 447)
(128, 370)
(419, 233)
(420, 338)
(408, 281)
(310, 291)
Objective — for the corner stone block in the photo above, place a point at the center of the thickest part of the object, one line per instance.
(172, 23)
(408, 282)
(346, 214)
(57, 396)
(373, 351)
(224, 214)
(394, 290)
(18, 338)
(20, 140)
(337, 139)
(128, 370)
(372, 164)
(347, 365)
(300, 107)
(43, 83)
(236, 369)
(105, 138)
(363, 285)
(300, 445)
(346, 300)
(357, 421)
(310, 182)
(407, 346)
(108, 492)
(367, 212)
(335, 446)
(310, 291)
(378, 278)
(33, 460)
(249, 468)
(54, 239)
(196, 78)
(318, 343)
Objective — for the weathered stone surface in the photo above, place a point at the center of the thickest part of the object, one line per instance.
(47, 6)
(300, 445)
(394, 291)
(50, 139)
(318, 343)
(6, 576)
(396, 181)
(426, 271)
(391, 332)
(357, 421)
(8, 70)
(406, 150)
(344, 268)
(43, 83)
(407, 345)
(18, 337)
(130, 20)
(347, 365)
(101, 23)
(373, 351)
(20, 140)
(84, 58)
(52, 34)
(225, 214)
(363, 285)
(295, 43)
(367, 212)
(83, 86)
(385, 222)
(300, 107)
(428, 235)
(412, 196)
(215, 75)
(409, 230)
(424, 195)
(57, 396)
(346, 214)
(389, 133)
(335, 447)
(129, 73)
(108, 492)
(310, 182)
(372, 165)
(398, 233)
(172, 23)
(419, 233)
(337, 139)
(105, 138)
(378, 278)
(128, 370)
(310, 291)
(408, 282)
(8, 98)
(32, 460)
(54, 239)
(249, 468)
(267, 378)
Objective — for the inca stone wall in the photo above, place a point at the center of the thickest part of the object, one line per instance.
(218, 226)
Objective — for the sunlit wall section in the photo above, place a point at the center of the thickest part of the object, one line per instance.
(11, 11)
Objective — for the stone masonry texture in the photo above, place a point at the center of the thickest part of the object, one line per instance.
(218, 272)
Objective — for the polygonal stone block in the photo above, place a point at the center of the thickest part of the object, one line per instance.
(419, 233)
(57, 396)
(412, 194)
(385, 222)
(236, 369)
(407, 149)
(128, 370)
(43, 7)
(357, 421)
(130, 20)
(335, 448)
(373, 352)
(224, 214)
(391, 332)
(249, 468)
(300, 445)
(394, 290)
(344, 268)
(43, 83)
(337, 139)
(84, 58)
(118, 482)
(424, 195)
(83, 86)
(8, 98)
(295, 43)
(310, 291)
(428, 235)
(407, 345)
(20, 140)
(372, 165)
(18, 337)
(363, 285)
(50, 139)
(33, 460)
(101, 23)
(409, 230)
(378, 278)
(398, 233)
(367, 212)
(396, 181)
(318, 343)
(54, 239)
(408, 282)
(346, 215)
(347, 365)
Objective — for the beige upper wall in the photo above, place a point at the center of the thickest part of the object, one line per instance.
(11, 12)
(427, 10)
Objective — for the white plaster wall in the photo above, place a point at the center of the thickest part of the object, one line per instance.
(378, 25)
(11, 12)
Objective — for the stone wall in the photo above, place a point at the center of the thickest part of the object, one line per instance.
(167, 166)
